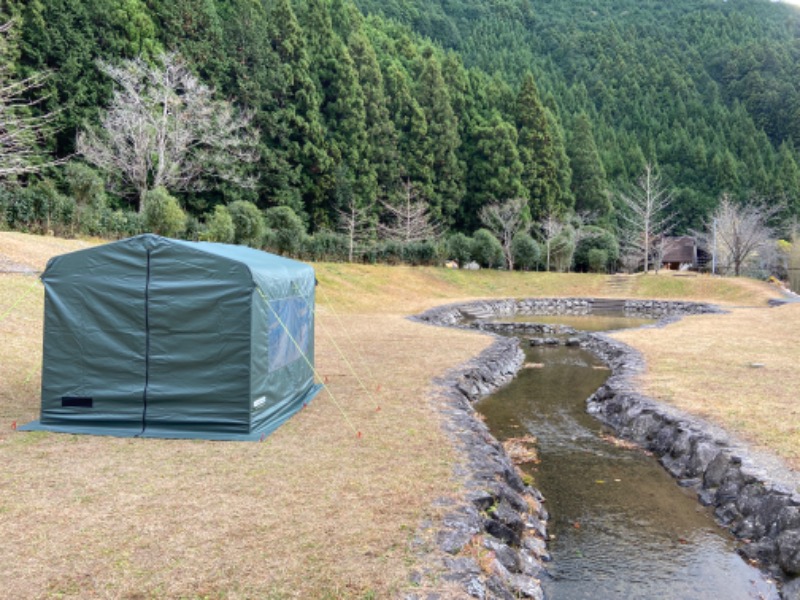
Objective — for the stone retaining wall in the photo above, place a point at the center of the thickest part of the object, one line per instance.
(753, 496)
(506, 518)
(492, 543)
(464, 315)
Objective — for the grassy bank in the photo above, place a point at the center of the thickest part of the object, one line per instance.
(315, 511)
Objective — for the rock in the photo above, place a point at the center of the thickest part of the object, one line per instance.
(789, 551)
(505, 555)
(526, 587)
(715, 470)
(791, 589)
(497, 586)
(702, 454)
(453, 541)
(475, 588)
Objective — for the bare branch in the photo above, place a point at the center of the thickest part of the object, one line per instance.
(22, 130)
(645, 215)
(735, 233)
(165, 128)
(505, 221)
(409, 220)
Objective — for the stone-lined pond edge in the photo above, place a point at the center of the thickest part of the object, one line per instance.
(493, 541)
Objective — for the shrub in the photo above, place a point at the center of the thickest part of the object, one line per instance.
(288, 230)
(85, 185)
(219, 226)
(486, 249)
(248, 223)
(526, 252)
(325, 246)
(597, 260)
(596, 238)
(420, 253)
(163, 214)
(562, 249)
(459, 249)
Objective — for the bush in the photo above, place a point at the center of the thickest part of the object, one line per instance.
(248, 223)
(326, 246)
(219, 226)
(597, 260)
(596, 238)
(526, 252)
(420, 253)
(486, 249)
(163, 214)
(85, 185)
(562, 249)
(288, 230)
(459, 249)
(39, 208)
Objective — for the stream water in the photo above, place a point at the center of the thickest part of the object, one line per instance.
(620, 527)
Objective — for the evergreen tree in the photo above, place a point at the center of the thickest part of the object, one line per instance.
(588, 177)
(295, 131)
(537, 149)
(342, 108)
(495, 170)
(442, 142)
(381, 146)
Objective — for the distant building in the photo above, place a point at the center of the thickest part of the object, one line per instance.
(681, 253)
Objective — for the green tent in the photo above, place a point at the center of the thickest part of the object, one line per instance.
(155, 337)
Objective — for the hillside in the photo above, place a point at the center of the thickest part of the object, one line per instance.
(456, 104)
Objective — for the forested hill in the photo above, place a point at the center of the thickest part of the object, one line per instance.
(707, 89)
(456, 103)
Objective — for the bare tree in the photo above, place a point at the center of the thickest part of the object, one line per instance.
(409, 219)
(735, 233)
(505, 221)
(21, 129)
(165, 128)
(551, 226)
(645, 215)
(355, 223)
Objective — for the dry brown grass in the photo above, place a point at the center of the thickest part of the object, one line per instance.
(312, 512)
(709, 366)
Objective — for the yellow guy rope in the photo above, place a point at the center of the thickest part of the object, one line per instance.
(352, 343)
(19, 300)
(308, 362)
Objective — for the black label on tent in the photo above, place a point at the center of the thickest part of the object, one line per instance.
(77, 401)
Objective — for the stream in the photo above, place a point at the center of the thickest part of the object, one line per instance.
(620, 526)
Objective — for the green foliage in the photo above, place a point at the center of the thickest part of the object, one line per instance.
(39, 208)
(486, 249)
(526, 252)
(596, 238)
(287, 230)
(325, 246)
(562, 249)
(581, 95)
(163, 213)
(459, 249)
(248, 223)
(85, 185)
(597, 260)
(219, 226)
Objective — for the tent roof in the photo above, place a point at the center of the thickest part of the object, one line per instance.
(264, 268)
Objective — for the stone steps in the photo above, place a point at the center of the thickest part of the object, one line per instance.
(608, 305)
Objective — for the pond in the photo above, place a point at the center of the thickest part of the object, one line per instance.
(620, 526)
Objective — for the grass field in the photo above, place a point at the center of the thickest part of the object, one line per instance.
(315, 511)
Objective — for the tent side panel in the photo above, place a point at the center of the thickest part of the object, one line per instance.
(283, 350)
(199, 320)
(94, 343)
